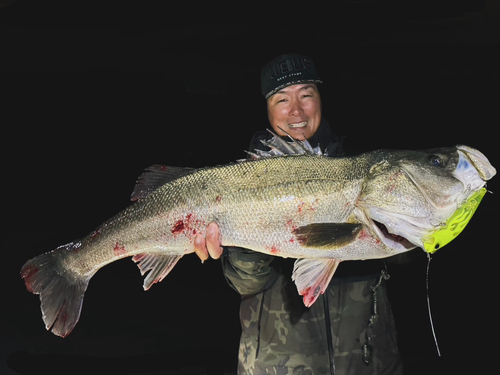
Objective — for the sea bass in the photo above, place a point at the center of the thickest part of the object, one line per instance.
(317, 209)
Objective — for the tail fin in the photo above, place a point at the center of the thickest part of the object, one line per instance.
(61, 291)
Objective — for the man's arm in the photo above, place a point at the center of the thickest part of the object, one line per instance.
(247, 271)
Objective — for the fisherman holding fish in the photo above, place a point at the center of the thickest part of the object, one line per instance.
(326, 212)
(350, 329)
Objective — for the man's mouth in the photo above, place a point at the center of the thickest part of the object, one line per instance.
(295, 125)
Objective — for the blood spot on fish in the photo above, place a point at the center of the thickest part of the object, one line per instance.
(178, 227)
(274, 250)
(364, 235)
(291, 226)
(119, 250)
(303, 207)
(189, 226)
(163, 168)
(218, 198)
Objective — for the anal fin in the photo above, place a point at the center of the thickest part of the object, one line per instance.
(327, 235)
(312, 277)
(159, 264)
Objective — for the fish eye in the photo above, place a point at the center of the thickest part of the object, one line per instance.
(436, 161)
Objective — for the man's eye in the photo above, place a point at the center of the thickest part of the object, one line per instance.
(281, 101)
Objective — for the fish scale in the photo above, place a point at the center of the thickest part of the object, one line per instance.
(317, 209)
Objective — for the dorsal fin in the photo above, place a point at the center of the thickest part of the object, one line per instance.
(154, 177)
(278, 146)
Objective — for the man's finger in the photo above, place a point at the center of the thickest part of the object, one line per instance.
(200, 247)
(213, 241)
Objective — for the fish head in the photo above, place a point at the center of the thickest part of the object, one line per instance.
(424, 198)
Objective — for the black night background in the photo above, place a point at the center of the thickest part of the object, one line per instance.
(92, 93)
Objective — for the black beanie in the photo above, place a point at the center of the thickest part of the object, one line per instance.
(287, 70)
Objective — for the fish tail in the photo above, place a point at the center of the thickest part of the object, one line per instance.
(61, 291)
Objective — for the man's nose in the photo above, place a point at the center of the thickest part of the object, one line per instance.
(295, 108)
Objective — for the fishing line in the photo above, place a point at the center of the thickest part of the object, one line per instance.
(429, 303)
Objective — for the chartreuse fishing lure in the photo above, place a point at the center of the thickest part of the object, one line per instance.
(455, 224)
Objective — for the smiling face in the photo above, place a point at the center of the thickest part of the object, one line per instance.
(295, 109)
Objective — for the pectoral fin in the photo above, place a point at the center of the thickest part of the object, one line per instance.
(327, 235)
(312, 277)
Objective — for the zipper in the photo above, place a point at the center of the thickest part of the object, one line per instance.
(260, 323)
(329, 338)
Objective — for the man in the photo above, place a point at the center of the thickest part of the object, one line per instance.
(348, 330)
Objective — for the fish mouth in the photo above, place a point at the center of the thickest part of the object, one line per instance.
(296, 125)
(393, 241)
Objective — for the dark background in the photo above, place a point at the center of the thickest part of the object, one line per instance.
(91, 93)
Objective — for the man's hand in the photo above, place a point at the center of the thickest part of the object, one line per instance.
(208, 245)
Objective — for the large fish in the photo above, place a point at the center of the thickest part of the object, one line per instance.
(317, 209)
